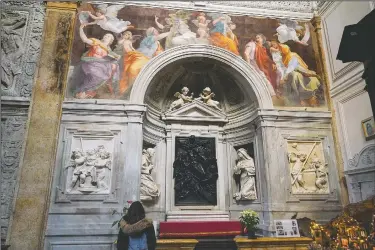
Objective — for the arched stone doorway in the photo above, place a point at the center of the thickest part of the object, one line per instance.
(242, 93)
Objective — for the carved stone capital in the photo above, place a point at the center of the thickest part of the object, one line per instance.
(317, 23)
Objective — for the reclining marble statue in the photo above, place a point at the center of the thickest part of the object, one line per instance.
(149, 189)
(245, 169)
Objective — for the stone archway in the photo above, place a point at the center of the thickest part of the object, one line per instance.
(257, 95)
(254, 82)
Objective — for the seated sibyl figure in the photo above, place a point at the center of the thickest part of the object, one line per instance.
(149, 189)
(245, 168)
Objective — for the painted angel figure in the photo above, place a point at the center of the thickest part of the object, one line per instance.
(287, 30)
(125, 44)
(106, 17)
(202, 23)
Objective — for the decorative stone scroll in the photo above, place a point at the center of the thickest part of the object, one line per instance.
(149, 189)
(308, 169)
(364, 159)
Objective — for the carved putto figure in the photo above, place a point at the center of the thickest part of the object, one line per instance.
(321, 174)
(102, 163)
(90, 172)
(149, 189)
(182, 99)
(206, 96)
(245, 168)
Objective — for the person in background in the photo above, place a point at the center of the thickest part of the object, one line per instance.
(136, 231)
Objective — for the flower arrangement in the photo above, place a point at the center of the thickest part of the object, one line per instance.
(124, 211)
(249, 219)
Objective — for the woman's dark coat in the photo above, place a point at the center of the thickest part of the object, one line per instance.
(136, 230)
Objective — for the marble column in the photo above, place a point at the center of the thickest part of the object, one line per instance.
(322, 67)
(31, 205)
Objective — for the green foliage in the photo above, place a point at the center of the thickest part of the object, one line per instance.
(123, 212)
(249, 219)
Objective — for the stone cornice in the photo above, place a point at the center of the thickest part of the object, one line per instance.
(302, 10)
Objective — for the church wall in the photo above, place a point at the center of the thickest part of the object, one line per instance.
(82, 216)
(351, 102)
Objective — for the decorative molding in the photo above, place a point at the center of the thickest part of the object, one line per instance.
(114, 111)
(339, 101)
(350, 81)
(195, 112)
(302, 10)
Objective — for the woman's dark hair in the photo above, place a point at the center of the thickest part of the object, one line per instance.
(135, 213)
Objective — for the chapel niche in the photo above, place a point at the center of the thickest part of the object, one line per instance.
(197, 137)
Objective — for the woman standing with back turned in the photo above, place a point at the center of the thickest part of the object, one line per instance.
(136, 231)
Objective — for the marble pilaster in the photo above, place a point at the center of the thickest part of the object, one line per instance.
(36, 170)
(322, 67)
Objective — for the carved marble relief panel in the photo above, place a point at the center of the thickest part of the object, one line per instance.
(90, 166)
(12, 129)
(308, 167)
(21, 34)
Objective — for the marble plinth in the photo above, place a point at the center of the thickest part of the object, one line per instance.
(268, 243)
(198, 215)
(176, 244)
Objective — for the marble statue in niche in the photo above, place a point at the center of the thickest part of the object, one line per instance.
(309, 173)
(183, 98)
(245, 168)
(91, 170)
(206, 96)
(195, 171)
(149, 189)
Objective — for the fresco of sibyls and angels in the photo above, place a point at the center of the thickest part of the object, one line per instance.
(113, 42)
